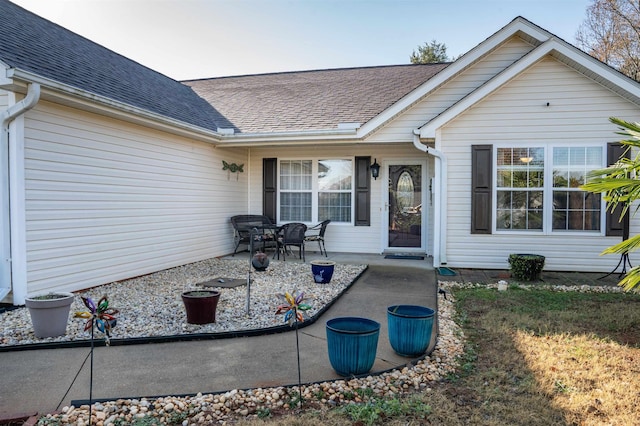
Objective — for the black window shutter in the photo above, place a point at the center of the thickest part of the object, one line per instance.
(270, 188)
(363, 193)
(481, 188)
(615, 226)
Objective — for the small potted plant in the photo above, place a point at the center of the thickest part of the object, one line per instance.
(50, 313)
(201, 305)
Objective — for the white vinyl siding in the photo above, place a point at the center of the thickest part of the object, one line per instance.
(400, 129)
(344, 237)
(4, 99)
(106, 200)
(549, 104)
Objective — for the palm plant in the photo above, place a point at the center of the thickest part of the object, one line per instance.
(620, 185)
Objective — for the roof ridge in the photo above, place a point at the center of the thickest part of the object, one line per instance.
(275, 73)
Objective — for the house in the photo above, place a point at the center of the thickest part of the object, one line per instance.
(111, 170)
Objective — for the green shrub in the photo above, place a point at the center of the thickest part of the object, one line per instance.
(526, 267)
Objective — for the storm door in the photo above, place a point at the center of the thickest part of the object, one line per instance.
(405, 206)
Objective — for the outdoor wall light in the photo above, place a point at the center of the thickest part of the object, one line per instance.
(375, 169)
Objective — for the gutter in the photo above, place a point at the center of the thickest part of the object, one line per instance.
(17, 263)
(70, 95)
(302, 137)
(440, 214)
(76, 96)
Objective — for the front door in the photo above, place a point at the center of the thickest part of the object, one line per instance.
(405, 197)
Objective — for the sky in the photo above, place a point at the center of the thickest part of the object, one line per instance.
(191, 39)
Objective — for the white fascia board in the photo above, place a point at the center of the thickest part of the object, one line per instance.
(610, 75)
(552, 46)
(429, 129)
(311, 137)
(349, 126)
(514, 27)
(5, 81)
(88, 101)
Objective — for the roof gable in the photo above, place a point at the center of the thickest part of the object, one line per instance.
(547, 44)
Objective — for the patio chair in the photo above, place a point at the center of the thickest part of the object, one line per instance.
(292, 234)
(317, 234)
(243, 225)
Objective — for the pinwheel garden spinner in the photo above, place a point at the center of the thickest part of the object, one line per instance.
(102, 317)
(293, 310)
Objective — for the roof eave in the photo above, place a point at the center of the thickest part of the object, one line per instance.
(15, 79)
(304, 137)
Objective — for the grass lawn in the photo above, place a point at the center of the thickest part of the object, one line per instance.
(534, 357)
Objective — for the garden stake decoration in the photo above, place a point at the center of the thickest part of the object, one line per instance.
(293, 310)
(253, 235)
(102, 317)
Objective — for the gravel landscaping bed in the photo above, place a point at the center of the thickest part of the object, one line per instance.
(151, 305)
(140, 317)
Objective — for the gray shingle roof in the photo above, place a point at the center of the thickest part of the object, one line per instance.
(311, 100)
(281, 102)
(33, 44)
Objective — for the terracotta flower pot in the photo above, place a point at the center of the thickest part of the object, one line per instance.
(201, 305)
(50, 313)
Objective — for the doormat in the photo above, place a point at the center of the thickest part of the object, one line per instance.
(403, 256)
(223, 282)
(446, 271)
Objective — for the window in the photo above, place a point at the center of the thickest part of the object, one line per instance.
(520, 182)
(334, 190)
(538, 189)
(328, 196)
(296, 190)
(573, 209)
(405, 192)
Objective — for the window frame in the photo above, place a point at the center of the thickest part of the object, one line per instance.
(315, 190)
(547, 189)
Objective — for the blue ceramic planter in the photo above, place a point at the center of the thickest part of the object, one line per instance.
(352, 343)
(322, 271)
(409, 328)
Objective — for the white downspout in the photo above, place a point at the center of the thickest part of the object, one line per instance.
(440, 213)
(17, 261)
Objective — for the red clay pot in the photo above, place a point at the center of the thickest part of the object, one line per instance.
(201, 305)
